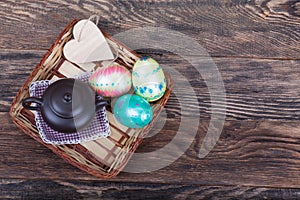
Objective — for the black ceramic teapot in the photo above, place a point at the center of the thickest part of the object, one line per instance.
(67, 105)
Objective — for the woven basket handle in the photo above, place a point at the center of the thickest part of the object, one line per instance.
(26, 103)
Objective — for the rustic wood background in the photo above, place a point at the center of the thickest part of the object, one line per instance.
(256, 47)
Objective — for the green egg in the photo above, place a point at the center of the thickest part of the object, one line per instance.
(133, 111)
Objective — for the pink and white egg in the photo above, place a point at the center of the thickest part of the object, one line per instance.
(111, 81)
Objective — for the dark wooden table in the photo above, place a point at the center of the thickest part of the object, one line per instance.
(254, 43)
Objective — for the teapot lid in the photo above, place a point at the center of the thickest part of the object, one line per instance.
(68, 105)
(70, 98)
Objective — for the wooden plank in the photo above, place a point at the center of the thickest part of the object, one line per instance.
(225, 28)
(255, 88)
(62, 189)
(64, 69)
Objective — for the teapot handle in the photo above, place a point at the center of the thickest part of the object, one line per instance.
(26, 103)
(101, 103)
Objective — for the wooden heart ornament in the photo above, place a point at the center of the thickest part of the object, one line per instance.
(88, 45)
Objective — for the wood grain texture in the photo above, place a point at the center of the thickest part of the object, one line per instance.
(242, 28)
(248, 153)
(252, 85)
(255, 45)
(30, 189)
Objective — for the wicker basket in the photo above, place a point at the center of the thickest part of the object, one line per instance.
(104, 157)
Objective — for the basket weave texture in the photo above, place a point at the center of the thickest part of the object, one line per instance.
(103, 157)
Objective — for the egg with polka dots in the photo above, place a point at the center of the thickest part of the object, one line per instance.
(111, 81)
(132, 111)
(148, 79)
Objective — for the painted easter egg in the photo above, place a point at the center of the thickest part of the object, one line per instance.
(132, 111)
(111, 81)
(148, 79)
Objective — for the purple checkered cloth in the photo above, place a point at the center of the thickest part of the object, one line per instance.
(99, 127)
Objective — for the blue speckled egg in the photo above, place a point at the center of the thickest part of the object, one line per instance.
(132, 111)
(148, 79)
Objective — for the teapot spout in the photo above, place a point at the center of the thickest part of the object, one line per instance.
(102, 103)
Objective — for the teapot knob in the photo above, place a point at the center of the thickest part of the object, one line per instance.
(68, 98)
